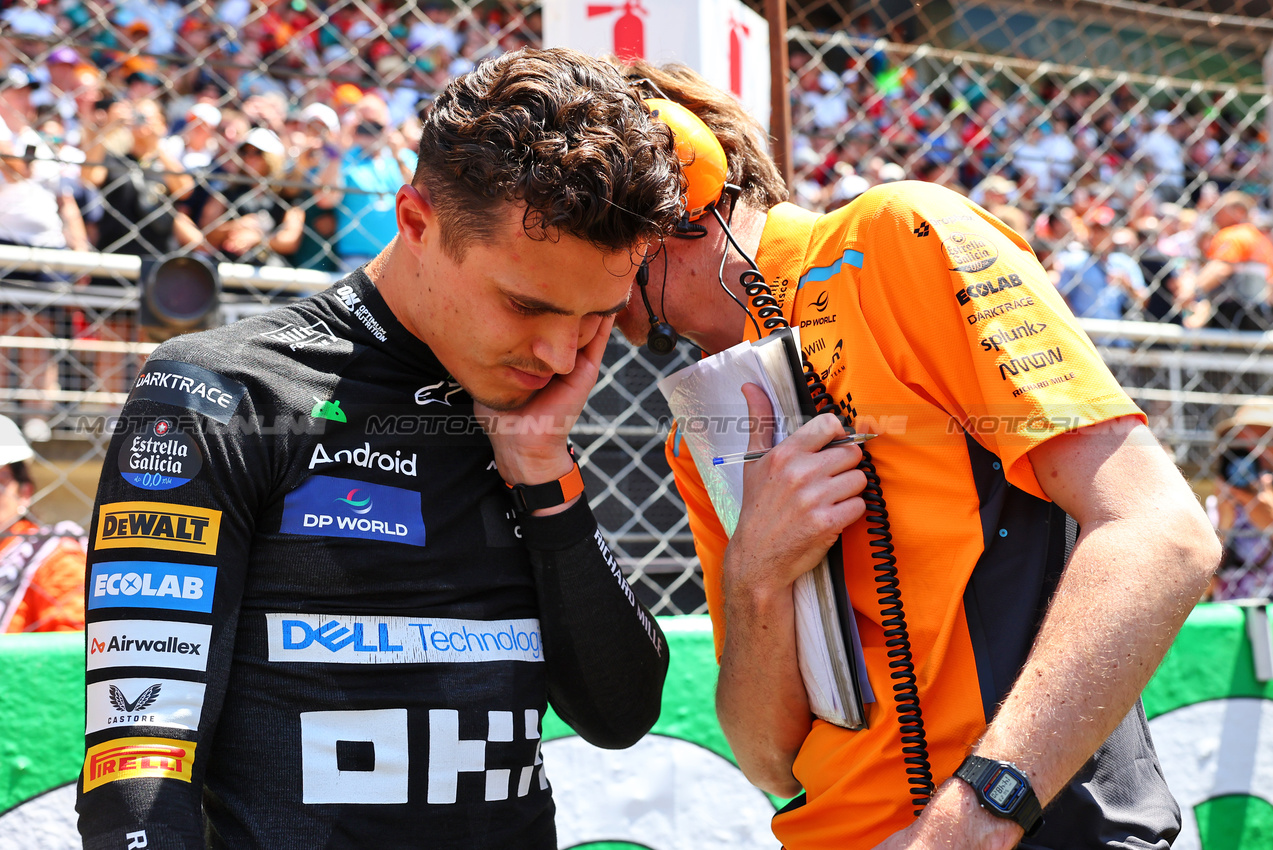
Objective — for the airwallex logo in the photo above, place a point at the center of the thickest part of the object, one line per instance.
(327, 506)
(148, 643)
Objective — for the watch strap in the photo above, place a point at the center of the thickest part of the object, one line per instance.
(978, 772)
(535, 497)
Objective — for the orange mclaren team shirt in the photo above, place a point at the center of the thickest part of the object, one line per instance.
(959, 353)
(52, 565)
(1240, 244)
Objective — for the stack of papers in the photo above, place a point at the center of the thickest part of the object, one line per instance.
(707, 401)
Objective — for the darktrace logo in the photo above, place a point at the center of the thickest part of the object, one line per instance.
(440, 392)
(821, 303)
(922, 229)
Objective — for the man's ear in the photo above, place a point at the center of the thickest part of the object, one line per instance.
(417, 219)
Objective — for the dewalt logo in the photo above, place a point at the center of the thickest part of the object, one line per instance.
(155, 525)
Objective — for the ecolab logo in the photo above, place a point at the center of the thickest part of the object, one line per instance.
(367, 458)
(342, 507)
(148, 643)
(152, 584)
(988, 287)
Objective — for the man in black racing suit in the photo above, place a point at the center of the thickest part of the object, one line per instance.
(315, 617)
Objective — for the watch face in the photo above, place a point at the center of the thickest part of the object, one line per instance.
(1004, 789)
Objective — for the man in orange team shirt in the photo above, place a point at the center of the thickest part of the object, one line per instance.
(1235, 280)
(932, 323)
(41, 569)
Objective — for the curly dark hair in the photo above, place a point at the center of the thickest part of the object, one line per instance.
(558, 131)
(744, 140)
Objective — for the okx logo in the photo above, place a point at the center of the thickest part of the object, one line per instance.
(327, 506)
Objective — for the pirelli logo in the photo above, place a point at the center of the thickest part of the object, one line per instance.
(157, 525)
(134, 758)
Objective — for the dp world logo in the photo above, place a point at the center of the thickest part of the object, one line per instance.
(327, 506)
(357, 502)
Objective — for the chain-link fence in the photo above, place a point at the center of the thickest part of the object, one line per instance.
(274, 134)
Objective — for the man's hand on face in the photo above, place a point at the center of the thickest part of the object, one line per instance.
(796, 500)
(530, 442)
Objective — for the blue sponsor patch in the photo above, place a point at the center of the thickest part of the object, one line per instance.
(189, 386)
(152, 584)
(821, 274)
(327, 506)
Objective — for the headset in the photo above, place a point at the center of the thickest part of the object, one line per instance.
(705, 171)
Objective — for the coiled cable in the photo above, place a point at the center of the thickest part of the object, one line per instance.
(919, 770)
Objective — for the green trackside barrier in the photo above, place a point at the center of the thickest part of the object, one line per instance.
(1212, 722)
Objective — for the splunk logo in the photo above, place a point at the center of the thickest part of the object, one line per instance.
(354, 639)
(152, 584)
(327, 506)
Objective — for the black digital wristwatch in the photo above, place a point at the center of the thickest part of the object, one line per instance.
(1003, 790)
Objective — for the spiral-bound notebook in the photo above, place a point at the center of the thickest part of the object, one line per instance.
(707, 401)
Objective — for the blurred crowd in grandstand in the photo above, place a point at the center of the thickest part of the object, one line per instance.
(276, 132)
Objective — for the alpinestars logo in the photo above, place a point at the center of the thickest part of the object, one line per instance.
(922, 230)
(440, 392)
(144, 700)
(348, 295)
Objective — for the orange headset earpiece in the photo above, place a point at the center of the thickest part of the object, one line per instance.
(702, 158)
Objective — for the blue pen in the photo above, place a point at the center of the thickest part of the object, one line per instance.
(743, 457)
